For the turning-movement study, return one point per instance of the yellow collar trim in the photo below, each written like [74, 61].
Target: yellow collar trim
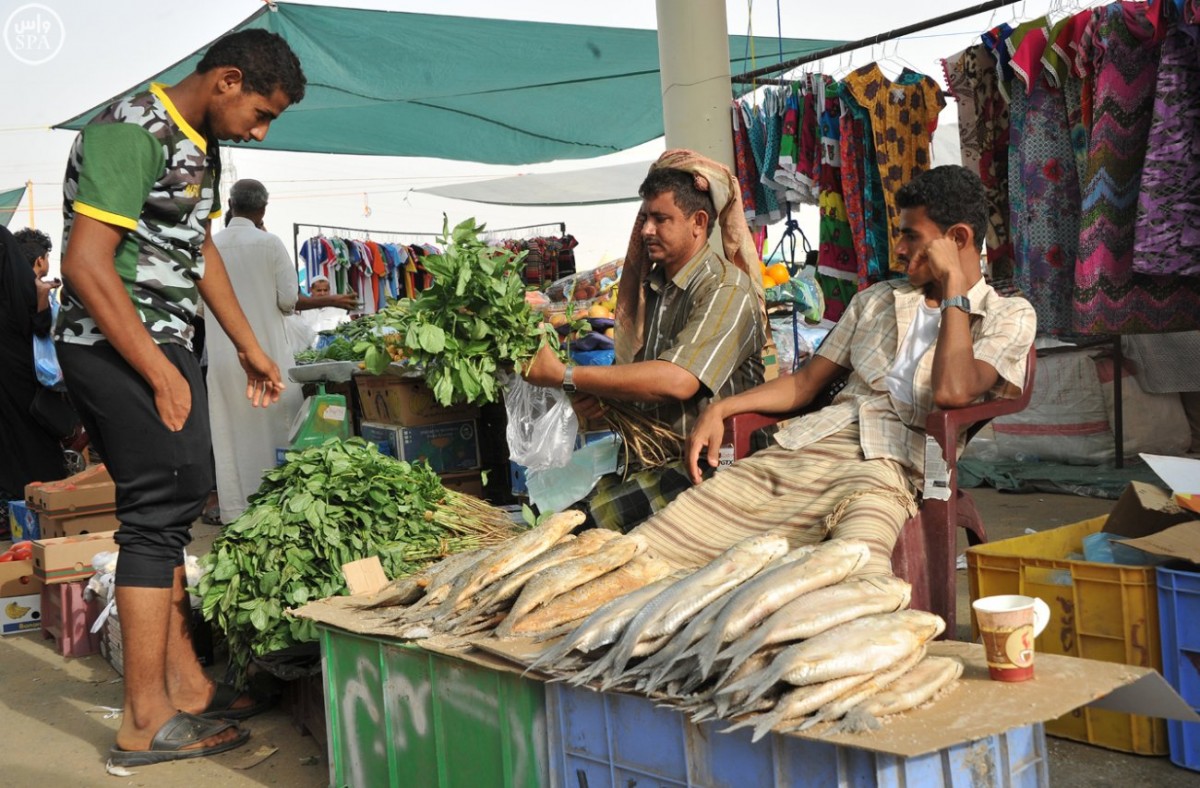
[160, 90]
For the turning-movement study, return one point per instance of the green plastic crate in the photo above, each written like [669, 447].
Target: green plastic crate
[401, 716]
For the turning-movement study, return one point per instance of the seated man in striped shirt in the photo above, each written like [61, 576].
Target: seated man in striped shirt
[690, 325]
[941, 338]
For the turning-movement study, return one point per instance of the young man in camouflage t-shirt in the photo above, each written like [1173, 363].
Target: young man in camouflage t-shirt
[140, 191]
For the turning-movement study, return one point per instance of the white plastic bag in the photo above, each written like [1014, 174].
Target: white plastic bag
[554, 489]
[541, 425]
[300, 335]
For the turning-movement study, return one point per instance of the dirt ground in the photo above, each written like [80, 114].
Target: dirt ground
[56, 710]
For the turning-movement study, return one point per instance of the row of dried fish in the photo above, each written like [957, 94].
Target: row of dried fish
[764, 635]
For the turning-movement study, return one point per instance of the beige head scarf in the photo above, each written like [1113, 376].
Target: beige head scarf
[734, 244]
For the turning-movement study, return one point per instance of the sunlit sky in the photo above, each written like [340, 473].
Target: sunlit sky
[108, 46]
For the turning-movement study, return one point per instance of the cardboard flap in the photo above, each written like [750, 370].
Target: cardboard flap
[1180, 541]
[1149, 695]
[1144, 509]
[364, 576]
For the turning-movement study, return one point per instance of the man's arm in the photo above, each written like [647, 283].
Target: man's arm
[958, 377]
[641, 381]
[263, 382]
[89, 265]
[345, 301]
[785, 394]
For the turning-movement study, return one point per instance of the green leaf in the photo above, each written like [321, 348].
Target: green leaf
[432, 338]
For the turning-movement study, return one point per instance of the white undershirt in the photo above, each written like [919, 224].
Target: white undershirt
[920, 337]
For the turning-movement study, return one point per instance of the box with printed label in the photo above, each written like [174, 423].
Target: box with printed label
[21, 613]
[70, 557]
[389, 399]
[22, 521]
[452, 447]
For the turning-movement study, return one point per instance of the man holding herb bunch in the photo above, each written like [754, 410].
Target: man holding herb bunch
[690, 326]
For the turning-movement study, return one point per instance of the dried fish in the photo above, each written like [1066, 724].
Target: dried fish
[836, 709]
[663, 614]
[817, 611]
[581, 602]
[557, 580]
[865, 645]
[510, 556]
[817, 567]
[796, 704]
[564, 550]
[912, 689]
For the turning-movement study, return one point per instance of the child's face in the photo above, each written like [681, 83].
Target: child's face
[320, 288]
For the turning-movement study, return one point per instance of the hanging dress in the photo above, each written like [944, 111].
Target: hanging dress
[904, 115]
[1043, 187]
[961, 73]
[1122, 56]
[747, 171]
[837, 269]
[1167, 230]
[860, 186]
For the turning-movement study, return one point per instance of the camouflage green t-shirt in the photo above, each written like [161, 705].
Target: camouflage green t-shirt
[139, 166]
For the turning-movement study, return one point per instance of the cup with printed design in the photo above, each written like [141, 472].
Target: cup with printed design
[1008, 625]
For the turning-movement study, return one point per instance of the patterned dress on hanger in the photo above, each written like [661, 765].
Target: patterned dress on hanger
[1043, 189]
[1110, 298]
[993, 153]
[860, 186]
[837, 269]
[961, 73]
[904, 114]
[765, 200]
[1167, 233]
[743, 157]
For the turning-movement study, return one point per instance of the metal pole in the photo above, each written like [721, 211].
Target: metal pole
[750, 76]
[29, 191]
[693, 55]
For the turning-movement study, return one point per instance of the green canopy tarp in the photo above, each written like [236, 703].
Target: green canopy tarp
[486, 90]
[9, 201]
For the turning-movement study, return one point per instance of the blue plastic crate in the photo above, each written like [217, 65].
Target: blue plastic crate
[1179, 626]
[609, 740]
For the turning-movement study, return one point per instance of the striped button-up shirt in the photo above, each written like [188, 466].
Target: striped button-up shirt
[866, 341]
[705, 319]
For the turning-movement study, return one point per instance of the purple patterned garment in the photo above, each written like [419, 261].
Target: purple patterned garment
[1122, 54]
[1167, 235]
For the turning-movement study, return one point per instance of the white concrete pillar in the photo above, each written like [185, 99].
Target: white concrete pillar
[693, 56]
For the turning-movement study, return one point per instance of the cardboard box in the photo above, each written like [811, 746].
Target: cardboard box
[465, 483]
[21, 613]
[56, 526]
[974, 709]
[389, 399]
[69, 558]
[452, 447]
[1145, 509]
[17, 579]
[91, 490]
[23, 521]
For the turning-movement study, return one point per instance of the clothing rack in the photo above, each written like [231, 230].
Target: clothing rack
[321, 228]
[862, 43]
[537, 229]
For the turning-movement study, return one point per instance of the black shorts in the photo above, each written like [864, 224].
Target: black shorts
[162, 477]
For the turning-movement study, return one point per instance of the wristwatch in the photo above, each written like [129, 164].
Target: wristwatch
[568, 384]
[959, 301]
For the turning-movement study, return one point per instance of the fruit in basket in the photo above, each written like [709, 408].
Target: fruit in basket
[768, 282]
[599, 310]
[558, 320]
[610, 333]
[779, 273]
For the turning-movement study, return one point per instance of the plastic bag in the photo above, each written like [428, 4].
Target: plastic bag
[541, 425]
[45, 358]
[554, 489]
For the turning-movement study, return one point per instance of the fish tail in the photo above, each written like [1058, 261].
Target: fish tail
[706, 652]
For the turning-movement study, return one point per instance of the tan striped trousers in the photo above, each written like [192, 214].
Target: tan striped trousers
[824, 490]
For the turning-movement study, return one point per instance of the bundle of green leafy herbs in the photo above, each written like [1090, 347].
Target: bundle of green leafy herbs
[466, 328]
[327, 506]
[346, 343]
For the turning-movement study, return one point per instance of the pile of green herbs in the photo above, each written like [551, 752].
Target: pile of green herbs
[349, 342]
[327, 506]
[472, 323]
